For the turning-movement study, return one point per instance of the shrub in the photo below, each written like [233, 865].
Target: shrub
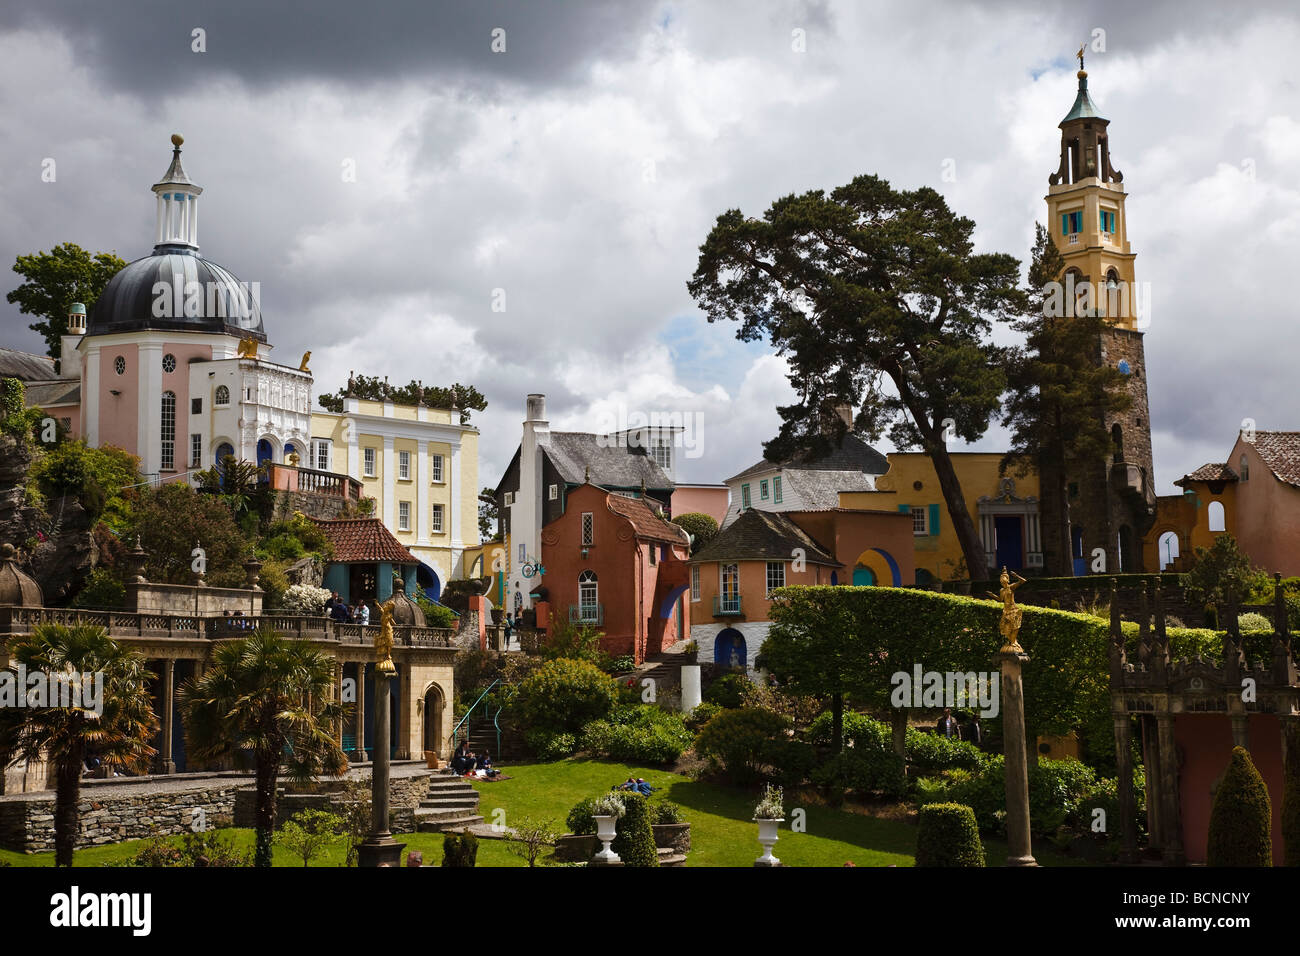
[562, 696]
[641, 734]
[582, 818]
[309, 832]
[947, 836]
[701, 715]
[622, 664]
[635, 843]
[865, 770]
[984, 792]
[1241, 817]
[742, 742]
[1057, 789]
[667, 812]
[459, 849]
[931, 753]
[273, 582]
[701, 527]
[860, 731]
[305, 600]
[548, 745]
[725, 691]
[575, 641]
[1254, 621]
[103, 590]
[528, 836]
[209, 848]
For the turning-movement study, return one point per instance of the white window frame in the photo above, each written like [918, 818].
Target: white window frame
[196, 450]
[435, 469]
[404, 466]
[779, 568]
[403, 516]
[510, 498]
[554, 493]
[695, 583]
[167, 432]
[368, 456]
[920, 520]
[588, 529]
[588, 594]
[216, 396]
[436, 522]
[322, 448]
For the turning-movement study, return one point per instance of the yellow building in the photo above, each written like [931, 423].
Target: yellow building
[1004, 509]
[421, 467]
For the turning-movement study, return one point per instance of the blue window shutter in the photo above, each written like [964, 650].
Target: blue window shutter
[1065, 227]
[906, 509]
[934, 520]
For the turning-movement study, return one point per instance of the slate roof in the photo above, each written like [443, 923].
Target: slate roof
[611, 466]
[758, 535]
[645, 522]
[61, 392]
[1215, 471]
[853, 454]
[1281, 452]
[25, 366]
[364, 541]
[820, 490]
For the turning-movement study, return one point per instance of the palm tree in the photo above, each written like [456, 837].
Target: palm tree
[119, 730]
[272, 699]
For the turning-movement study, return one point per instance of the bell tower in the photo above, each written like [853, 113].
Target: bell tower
[1111, 504]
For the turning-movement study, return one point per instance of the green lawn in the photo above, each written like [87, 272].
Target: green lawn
[722, 831]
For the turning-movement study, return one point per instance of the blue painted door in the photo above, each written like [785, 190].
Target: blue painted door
[1010, 553]
[863, 576]
[1076, 550]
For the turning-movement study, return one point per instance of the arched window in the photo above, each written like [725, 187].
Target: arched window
[1215, 515]
[224, 450]
[1117, 440]
[168, 429]
[1168, 549]
[1113, 305]
[1243, 469]
[222, 396]
[588, 596]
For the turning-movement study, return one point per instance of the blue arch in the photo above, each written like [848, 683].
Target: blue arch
[264, 451]
[728, 640]
[428, 579]
[669, 603]
[894, 573]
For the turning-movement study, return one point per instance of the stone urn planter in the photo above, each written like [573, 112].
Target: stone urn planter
[767, 837]
[606, 831]
[496, 615]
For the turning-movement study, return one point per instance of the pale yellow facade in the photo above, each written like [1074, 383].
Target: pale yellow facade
[418, 464]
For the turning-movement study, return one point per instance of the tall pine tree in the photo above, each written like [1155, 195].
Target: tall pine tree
[1061, 393]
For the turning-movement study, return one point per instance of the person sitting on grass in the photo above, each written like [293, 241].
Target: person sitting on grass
[463, 760]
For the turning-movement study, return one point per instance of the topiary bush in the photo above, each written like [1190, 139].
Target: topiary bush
[701, 527]
[932, 753]
[947, 836]
[726, 690]
[641, 734]
[635, 842]
[1241, 818]
[459, 849]
[582, 818]
[740, 743]
[562, 696]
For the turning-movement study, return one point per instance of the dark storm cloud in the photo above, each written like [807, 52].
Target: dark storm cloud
[144, 46]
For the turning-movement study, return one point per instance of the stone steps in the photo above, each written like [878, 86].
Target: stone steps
[444, 821]
[451, 803]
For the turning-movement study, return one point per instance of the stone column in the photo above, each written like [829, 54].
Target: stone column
[338, 698]
[1151, 761]
[359, 753]
[1017, 767]
[1127, 807]
[690, 687]
[1173, 848]
[1241, 730]
[379, 848]
[164, 761]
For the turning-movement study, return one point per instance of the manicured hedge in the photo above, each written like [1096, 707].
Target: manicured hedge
[641, 734]
[1241, 818]
[635, 843]
[947, 836]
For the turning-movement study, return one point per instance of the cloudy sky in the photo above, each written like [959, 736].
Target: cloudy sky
[383, 172]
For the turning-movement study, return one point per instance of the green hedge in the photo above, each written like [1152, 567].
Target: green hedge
[635, 842]
[947, 836]
[1241, 818]
[562, 696]
[866, 770]
[742, 743]
[459, 849]
[641, 734]
[725, 691]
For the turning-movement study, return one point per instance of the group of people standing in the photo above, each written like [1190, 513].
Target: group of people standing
[949, 727]
[336, 609]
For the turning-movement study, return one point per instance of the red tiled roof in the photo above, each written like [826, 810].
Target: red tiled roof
[1215, 471]
[645, 522]
[363, 540]
[1281, 452]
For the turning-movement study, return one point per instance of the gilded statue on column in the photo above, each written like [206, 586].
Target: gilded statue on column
[384, 642]
[1009, 624]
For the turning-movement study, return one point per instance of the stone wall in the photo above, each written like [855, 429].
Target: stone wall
[754, 632]
[112, 812]
[310, 503]
[186, 599]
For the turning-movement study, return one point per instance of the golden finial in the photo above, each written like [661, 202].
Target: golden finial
[1082, 71]
[177, 140]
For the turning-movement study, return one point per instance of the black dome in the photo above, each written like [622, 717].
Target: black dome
[129, 303]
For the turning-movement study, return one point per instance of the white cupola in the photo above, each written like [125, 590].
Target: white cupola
[178, 204]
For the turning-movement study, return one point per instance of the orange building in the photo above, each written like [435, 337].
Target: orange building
[732, 577]
[615, 563]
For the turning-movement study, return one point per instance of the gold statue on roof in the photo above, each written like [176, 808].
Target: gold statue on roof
[248, 347]
[1009, 624]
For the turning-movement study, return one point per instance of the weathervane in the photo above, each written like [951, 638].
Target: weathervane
[1080, 54]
